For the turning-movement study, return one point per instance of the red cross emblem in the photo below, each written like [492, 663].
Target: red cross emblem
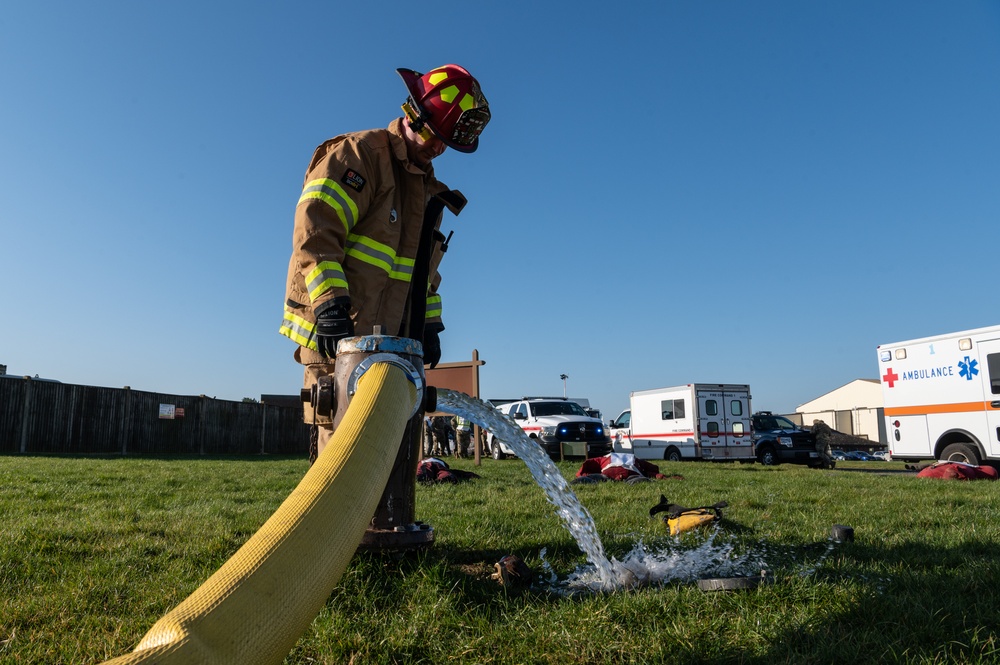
[890, 377]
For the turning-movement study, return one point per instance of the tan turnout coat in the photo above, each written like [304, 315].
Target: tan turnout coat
[357, 228]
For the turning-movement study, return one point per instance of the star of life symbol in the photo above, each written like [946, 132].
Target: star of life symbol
[968, 368]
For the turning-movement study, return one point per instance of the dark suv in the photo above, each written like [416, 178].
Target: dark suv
[777, 439]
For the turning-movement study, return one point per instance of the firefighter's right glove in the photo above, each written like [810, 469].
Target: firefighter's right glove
[333, 323]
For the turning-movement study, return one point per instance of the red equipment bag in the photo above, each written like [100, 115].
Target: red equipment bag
[958, 471]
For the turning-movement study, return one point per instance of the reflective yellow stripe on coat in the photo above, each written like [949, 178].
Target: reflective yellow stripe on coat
[299, 330]
[324, 277]
[433, 306]
[381, 256]
[332, 194]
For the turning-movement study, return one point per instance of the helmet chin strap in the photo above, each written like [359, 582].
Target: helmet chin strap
[418, 123]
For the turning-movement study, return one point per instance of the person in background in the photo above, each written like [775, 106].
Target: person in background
[441, 434]
[428, 437]
[463, 436]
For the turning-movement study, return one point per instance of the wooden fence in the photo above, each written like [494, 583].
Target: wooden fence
[38, 416]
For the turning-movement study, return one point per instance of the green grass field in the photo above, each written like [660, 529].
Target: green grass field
[93, 551]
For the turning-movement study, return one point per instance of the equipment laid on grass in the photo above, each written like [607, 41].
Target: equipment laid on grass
[735, 583]
[513, 572]
[957, 471]
[680, 519]
[619, 466]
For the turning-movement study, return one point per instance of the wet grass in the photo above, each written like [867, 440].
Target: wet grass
[93, 551]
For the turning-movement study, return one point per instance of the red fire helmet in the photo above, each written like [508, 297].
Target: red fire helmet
[449, 101]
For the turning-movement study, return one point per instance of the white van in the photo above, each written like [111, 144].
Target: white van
[709, 421]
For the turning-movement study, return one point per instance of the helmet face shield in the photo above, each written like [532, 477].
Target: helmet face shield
[471, 123]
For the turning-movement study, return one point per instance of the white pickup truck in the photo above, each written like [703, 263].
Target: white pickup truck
[561, 426]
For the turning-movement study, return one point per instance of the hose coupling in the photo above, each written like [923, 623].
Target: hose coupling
[412, 373]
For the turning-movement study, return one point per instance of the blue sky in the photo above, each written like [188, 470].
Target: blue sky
[669, 192]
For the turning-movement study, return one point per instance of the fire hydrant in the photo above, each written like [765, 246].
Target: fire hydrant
[393, 527]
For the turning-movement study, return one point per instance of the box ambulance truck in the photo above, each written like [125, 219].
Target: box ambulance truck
[942, 396]
[706, 421]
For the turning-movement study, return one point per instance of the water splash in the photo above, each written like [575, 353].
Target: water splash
[642, 566]
[693, 557]
[676, 562]
[575, 517]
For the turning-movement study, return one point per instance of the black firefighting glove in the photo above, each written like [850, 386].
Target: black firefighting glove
[333, 323]
[432, 344]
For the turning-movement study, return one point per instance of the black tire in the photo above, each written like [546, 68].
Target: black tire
[495, 451]
[767, 456]
[961, 452]
[672, 455]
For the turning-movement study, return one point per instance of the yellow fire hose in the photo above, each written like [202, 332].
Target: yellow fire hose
[257, 605]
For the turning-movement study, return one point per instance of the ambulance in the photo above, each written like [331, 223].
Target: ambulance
[697, 421]
[942, 396]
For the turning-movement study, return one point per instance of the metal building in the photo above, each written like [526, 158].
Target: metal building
[854, 408]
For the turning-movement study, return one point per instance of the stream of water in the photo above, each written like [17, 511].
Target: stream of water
[575, 517]
[712, 557]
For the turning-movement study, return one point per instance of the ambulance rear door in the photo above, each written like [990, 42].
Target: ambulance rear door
[724, 427]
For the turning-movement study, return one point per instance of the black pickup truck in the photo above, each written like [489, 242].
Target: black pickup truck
[778, 440]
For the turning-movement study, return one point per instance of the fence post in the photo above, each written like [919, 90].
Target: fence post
[24, 414]
[201, 424]
[263, 428]
[126, 419]
[71, 418]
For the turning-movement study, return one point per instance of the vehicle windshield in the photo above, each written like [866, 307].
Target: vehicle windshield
[775, 422]
[557, 409]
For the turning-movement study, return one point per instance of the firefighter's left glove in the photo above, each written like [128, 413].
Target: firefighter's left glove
[432, 344]
[333, 323]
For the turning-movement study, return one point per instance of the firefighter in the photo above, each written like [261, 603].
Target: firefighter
[428, 437]
[441, 434]
[825, 455]
[367, 241]
[463, 436]
[821, 431]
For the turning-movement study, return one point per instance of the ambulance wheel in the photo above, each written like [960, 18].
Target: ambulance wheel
[672, 455]
[961, 452]
[495, 451]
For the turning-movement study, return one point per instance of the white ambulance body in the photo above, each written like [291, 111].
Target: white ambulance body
[707, 421]
[942, 396]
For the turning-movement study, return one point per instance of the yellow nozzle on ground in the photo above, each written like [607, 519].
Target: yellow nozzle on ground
[688, 521]
[257, 605]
